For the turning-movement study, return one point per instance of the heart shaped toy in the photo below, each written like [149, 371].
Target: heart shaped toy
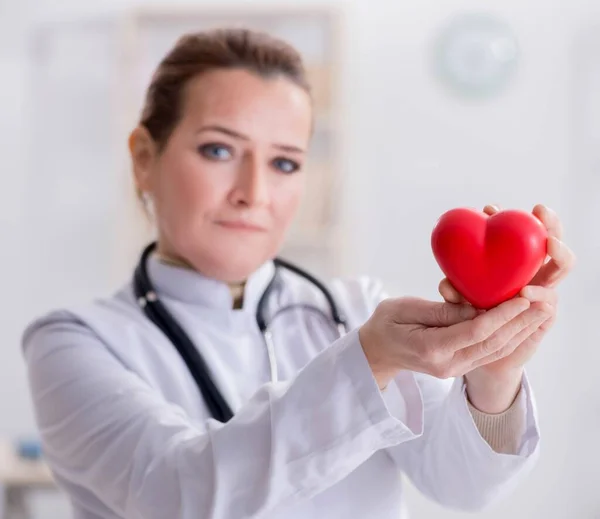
[489, 259]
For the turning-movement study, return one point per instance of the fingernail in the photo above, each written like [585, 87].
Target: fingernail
[528, 292]
[556, 243]
[467, 312]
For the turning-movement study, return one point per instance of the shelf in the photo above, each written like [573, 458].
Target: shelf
[15, 471]
[161, 13]
[319, 77]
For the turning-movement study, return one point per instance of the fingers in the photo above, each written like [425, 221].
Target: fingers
[540, 316]
[540, 294]
[550, 220]
[520, 339]
[547, 308]
[482, 327]
[491, 209]
[449, 293]
[428, 313]
[502, 337]
[562, 260]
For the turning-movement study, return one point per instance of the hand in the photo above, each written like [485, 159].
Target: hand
[440, 339]
[505, 366]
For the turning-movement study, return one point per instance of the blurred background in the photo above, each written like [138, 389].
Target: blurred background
[423, 105]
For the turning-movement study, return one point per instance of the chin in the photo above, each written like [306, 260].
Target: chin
[227, 257]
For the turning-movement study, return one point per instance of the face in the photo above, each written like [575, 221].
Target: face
[228, 182]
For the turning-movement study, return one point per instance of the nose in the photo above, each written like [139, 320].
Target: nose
[251, 186]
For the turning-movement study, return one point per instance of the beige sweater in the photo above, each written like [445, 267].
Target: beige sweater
[502, 431]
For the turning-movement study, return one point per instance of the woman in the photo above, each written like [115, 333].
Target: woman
[436, 391]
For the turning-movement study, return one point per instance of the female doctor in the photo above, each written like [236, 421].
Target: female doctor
[305, 423]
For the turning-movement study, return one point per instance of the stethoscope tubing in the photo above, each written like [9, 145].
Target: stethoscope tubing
[150, 304]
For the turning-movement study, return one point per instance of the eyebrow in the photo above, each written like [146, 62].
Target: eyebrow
[241, 136]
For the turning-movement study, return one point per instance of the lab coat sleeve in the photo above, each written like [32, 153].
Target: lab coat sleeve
[451, 463]
[107, 431]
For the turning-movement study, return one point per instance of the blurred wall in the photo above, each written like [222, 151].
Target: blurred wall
[413, 151]
[418, 152]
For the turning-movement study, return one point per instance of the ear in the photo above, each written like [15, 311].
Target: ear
[143, 152]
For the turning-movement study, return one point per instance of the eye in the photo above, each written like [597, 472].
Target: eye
[285, 165]
[215, 151]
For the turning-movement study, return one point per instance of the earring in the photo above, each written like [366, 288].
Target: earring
[148, 204]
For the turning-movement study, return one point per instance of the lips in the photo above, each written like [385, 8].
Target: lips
[241, 226]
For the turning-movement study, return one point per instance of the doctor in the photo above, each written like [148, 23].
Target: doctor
[319, 425]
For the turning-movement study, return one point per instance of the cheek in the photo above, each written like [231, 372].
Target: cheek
[188, 189]
[287, 199]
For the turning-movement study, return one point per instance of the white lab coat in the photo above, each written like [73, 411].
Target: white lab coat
[127, 434]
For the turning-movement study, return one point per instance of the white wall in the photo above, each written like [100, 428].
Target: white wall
[413, 152]
[436, 153]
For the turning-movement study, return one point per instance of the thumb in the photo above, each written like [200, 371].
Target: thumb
[432, 313]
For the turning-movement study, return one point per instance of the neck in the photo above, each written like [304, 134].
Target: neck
[171, 260]
[236, 289]
[237, 294]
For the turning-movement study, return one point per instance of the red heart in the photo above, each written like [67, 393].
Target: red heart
[489, 259]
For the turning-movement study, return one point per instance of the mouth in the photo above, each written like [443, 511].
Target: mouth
[237, 225]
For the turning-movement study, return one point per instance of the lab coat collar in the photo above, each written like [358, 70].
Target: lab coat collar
[192, 287]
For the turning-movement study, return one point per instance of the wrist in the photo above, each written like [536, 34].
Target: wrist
[493, 393]
[380, 367]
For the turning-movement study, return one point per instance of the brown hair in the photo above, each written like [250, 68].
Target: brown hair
[197, 53]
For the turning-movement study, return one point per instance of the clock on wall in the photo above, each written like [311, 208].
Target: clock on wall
[475, 55]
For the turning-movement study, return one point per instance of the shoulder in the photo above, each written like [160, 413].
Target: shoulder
[64, 326]
[55, 324]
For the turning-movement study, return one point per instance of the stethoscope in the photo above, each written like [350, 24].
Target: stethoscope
[151, 305]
